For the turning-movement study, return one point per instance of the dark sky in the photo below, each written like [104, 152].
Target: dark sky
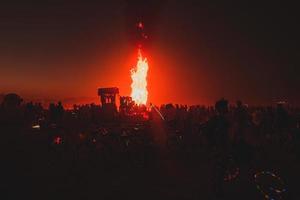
[197, 51]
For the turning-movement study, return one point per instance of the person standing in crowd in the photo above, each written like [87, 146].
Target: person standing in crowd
[218, 137]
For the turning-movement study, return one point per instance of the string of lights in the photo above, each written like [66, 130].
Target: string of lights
[272, 189]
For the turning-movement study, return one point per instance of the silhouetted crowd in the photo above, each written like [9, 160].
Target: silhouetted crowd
[86, 133]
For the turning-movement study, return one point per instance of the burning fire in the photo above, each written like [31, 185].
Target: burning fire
[139, 92]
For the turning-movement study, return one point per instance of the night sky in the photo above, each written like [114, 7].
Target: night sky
[198, 52]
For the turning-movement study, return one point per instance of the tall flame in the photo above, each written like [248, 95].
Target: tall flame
[139, 92]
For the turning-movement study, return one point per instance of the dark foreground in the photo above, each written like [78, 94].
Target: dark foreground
[34, 172]
[144, 160]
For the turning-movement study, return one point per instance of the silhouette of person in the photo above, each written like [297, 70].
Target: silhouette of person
[218, 137]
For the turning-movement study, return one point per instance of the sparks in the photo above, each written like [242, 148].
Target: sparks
[139, 92]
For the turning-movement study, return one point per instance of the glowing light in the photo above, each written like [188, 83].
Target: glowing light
[162, 117]
[36, 126]
[139, 92]
[140, 25]
[268, 188]
[57, 140]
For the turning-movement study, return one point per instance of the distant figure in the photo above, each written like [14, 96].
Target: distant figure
[56, 112]
[11, 113]
[218, 137]
[296, 139]
[242, 127]
[218, 126]
[281, 122]
[12, 101]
